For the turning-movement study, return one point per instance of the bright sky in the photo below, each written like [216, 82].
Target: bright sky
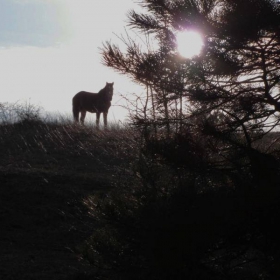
[49, 50]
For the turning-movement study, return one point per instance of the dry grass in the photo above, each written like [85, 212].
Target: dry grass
[71, 194]
[47, 170]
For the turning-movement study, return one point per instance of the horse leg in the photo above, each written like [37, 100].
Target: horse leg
[105, 118]
[76, 115]
[83, 115]
[97, 119]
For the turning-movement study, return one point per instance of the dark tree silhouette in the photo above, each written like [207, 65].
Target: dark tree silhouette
[235, 79]
[209, 198]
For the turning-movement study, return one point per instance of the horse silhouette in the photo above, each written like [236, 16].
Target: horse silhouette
[98, 103]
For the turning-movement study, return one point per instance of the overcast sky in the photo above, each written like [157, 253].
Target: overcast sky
[49, 50]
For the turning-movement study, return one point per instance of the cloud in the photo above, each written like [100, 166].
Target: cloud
[46, 23]
[32, 23]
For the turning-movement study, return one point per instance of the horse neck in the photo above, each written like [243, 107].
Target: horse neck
[103, 94]
[101, 91]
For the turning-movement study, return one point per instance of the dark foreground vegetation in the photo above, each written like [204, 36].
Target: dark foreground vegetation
[47, 173]
[208, 203]
[81, 203]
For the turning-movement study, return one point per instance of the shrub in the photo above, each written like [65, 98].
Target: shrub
[181, 215]
[19, 113]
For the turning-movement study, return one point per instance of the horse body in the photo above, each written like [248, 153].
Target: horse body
[97, 103]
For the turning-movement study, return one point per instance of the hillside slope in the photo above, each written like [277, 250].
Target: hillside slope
[46, 173]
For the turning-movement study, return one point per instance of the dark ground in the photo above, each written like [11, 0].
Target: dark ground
[46, 172]
[48, 175]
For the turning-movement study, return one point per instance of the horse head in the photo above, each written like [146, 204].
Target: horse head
[109, 90]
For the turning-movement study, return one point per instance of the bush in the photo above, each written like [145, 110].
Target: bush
[19, 113]
[185, 218]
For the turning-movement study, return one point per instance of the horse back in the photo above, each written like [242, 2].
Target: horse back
[91, 102]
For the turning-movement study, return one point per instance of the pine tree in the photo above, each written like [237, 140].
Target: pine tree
[234, 83]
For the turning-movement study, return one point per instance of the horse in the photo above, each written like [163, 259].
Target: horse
[97, 103]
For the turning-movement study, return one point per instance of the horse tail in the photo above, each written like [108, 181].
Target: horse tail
[75, 108]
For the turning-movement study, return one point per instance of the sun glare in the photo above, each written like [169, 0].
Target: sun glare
[189, 43]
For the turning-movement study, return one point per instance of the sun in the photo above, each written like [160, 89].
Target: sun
[189, 43]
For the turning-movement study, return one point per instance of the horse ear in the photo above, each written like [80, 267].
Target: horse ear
[112, 83]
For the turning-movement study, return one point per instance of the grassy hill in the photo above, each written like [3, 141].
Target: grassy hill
[81, 203]
[47, 171]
